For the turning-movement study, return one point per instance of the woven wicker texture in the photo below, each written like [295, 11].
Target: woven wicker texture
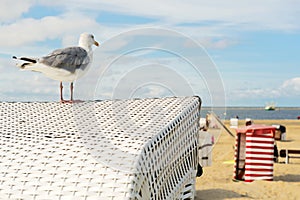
[123, 149]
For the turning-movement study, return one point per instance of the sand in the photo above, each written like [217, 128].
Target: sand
[216, 181]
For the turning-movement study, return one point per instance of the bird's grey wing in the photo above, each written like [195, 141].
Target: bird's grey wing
[69, 59]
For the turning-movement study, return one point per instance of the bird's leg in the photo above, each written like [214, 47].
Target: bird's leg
[71, 94]
[61, 92]
[71, 89]
[72, 99]
[61, 95]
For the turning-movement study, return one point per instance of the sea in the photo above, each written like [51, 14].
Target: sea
[253, 112]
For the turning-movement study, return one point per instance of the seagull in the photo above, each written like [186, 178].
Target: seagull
[64, 65]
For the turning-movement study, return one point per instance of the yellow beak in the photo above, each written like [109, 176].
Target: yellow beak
[96, 43]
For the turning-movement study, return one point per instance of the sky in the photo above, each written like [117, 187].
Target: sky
[232, 53]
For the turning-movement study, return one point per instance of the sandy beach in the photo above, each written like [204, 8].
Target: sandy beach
[216, 181]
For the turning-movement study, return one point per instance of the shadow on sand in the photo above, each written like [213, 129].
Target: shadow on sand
[218, 194]
[283, 141]
[288, 178]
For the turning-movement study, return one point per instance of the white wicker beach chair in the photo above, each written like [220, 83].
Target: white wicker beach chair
[122, 149]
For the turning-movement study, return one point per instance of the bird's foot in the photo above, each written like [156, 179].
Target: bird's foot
[66, 101]
[70, 101]
[77, 101]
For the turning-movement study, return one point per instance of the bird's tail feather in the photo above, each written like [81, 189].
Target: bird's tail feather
[29, 61]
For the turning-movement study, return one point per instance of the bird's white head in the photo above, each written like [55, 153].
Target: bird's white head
[87, 40]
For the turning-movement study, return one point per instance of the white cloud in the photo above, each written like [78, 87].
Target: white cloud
[268, 14]
[291, 87]
[255, 93]
[30, 30]
[288, 90]
[11, 10]
[219, 43]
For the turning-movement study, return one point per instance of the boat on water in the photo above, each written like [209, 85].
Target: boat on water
[270, 106]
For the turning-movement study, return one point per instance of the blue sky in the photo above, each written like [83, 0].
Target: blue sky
[253, 46]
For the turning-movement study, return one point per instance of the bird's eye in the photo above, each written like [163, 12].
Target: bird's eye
[92, 36]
